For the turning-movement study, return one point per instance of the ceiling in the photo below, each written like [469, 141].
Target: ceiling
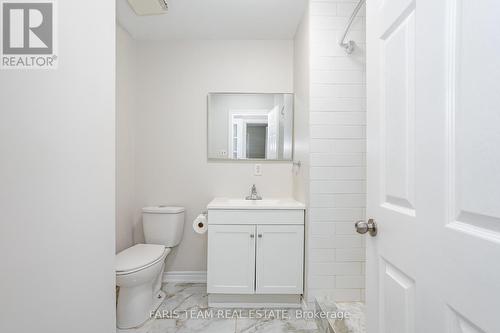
[215, 19]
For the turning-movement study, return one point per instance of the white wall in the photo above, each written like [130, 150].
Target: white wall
[337, 154]
[301, 123]
[330, 142]
[174, 79]
[57, 177]
[301, 116]
[126, 90]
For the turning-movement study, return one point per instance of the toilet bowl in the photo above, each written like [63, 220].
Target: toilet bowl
[139, 269]
[138, 274]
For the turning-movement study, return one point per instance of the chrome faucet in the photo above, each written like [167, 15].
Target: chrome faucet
[253, 195]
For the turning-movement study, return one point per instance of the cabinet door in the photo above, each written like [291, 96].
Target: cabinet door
[231, 259]
[280, 259]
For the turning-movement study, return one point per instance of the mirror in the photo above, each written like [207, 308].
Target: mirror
[250, 126]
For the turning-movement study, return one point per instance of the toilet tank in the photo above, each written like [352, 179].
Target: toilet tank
[163, 225]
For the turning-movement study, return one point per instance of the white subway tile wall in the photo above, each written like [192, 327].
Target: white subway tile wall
[337, 153]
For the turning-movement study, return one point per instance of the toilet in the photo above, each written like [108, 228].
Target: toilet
[139, 269]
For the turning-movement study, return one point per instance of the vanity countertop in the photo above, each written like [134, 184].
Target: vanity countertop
[273, 203]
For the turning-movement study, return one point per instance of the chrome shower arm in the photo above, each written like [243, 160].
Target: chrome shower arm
[349, 46]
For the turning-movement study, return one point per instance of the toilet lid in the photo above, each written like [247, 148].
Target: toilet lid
[138, 256]
[163, 209]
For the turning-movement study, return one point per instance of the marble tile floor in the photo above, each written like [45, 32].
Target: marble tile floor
[188, 302]
[355, 323]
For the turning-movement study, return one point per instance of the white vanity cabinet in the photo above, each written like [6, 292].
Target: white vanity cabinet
[279, 259]
[231, 259]
[255, 254]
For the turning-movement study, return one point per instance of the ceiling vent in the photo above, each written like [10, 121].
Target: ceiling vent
[148, 7]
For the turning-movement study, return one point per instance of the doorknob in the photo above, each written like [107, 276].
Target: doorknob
[363, 227]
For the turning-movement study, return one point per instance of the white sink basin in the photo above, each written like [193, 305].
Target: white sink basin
[230, 203]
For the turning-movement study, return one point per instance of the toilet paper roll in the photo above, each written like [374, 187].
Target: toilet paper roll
[200, 224]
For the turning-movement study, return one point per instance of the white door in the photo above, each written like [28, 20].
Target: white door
[231, 259]
[280, 257]
[391, 254]
[433, 166]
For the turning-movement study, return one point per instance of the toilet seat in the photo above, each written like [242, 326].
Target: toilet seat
[139, 257]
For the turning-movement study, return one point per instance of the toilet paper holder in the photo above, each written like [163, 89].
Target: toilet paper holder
[200, 223]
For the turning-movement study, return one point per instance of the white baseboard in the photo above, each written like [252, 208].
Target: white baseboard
[185, 276]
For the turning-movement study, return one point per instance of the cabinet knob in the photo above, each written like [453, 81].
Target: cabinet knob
[260, 236]
[252, 235]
